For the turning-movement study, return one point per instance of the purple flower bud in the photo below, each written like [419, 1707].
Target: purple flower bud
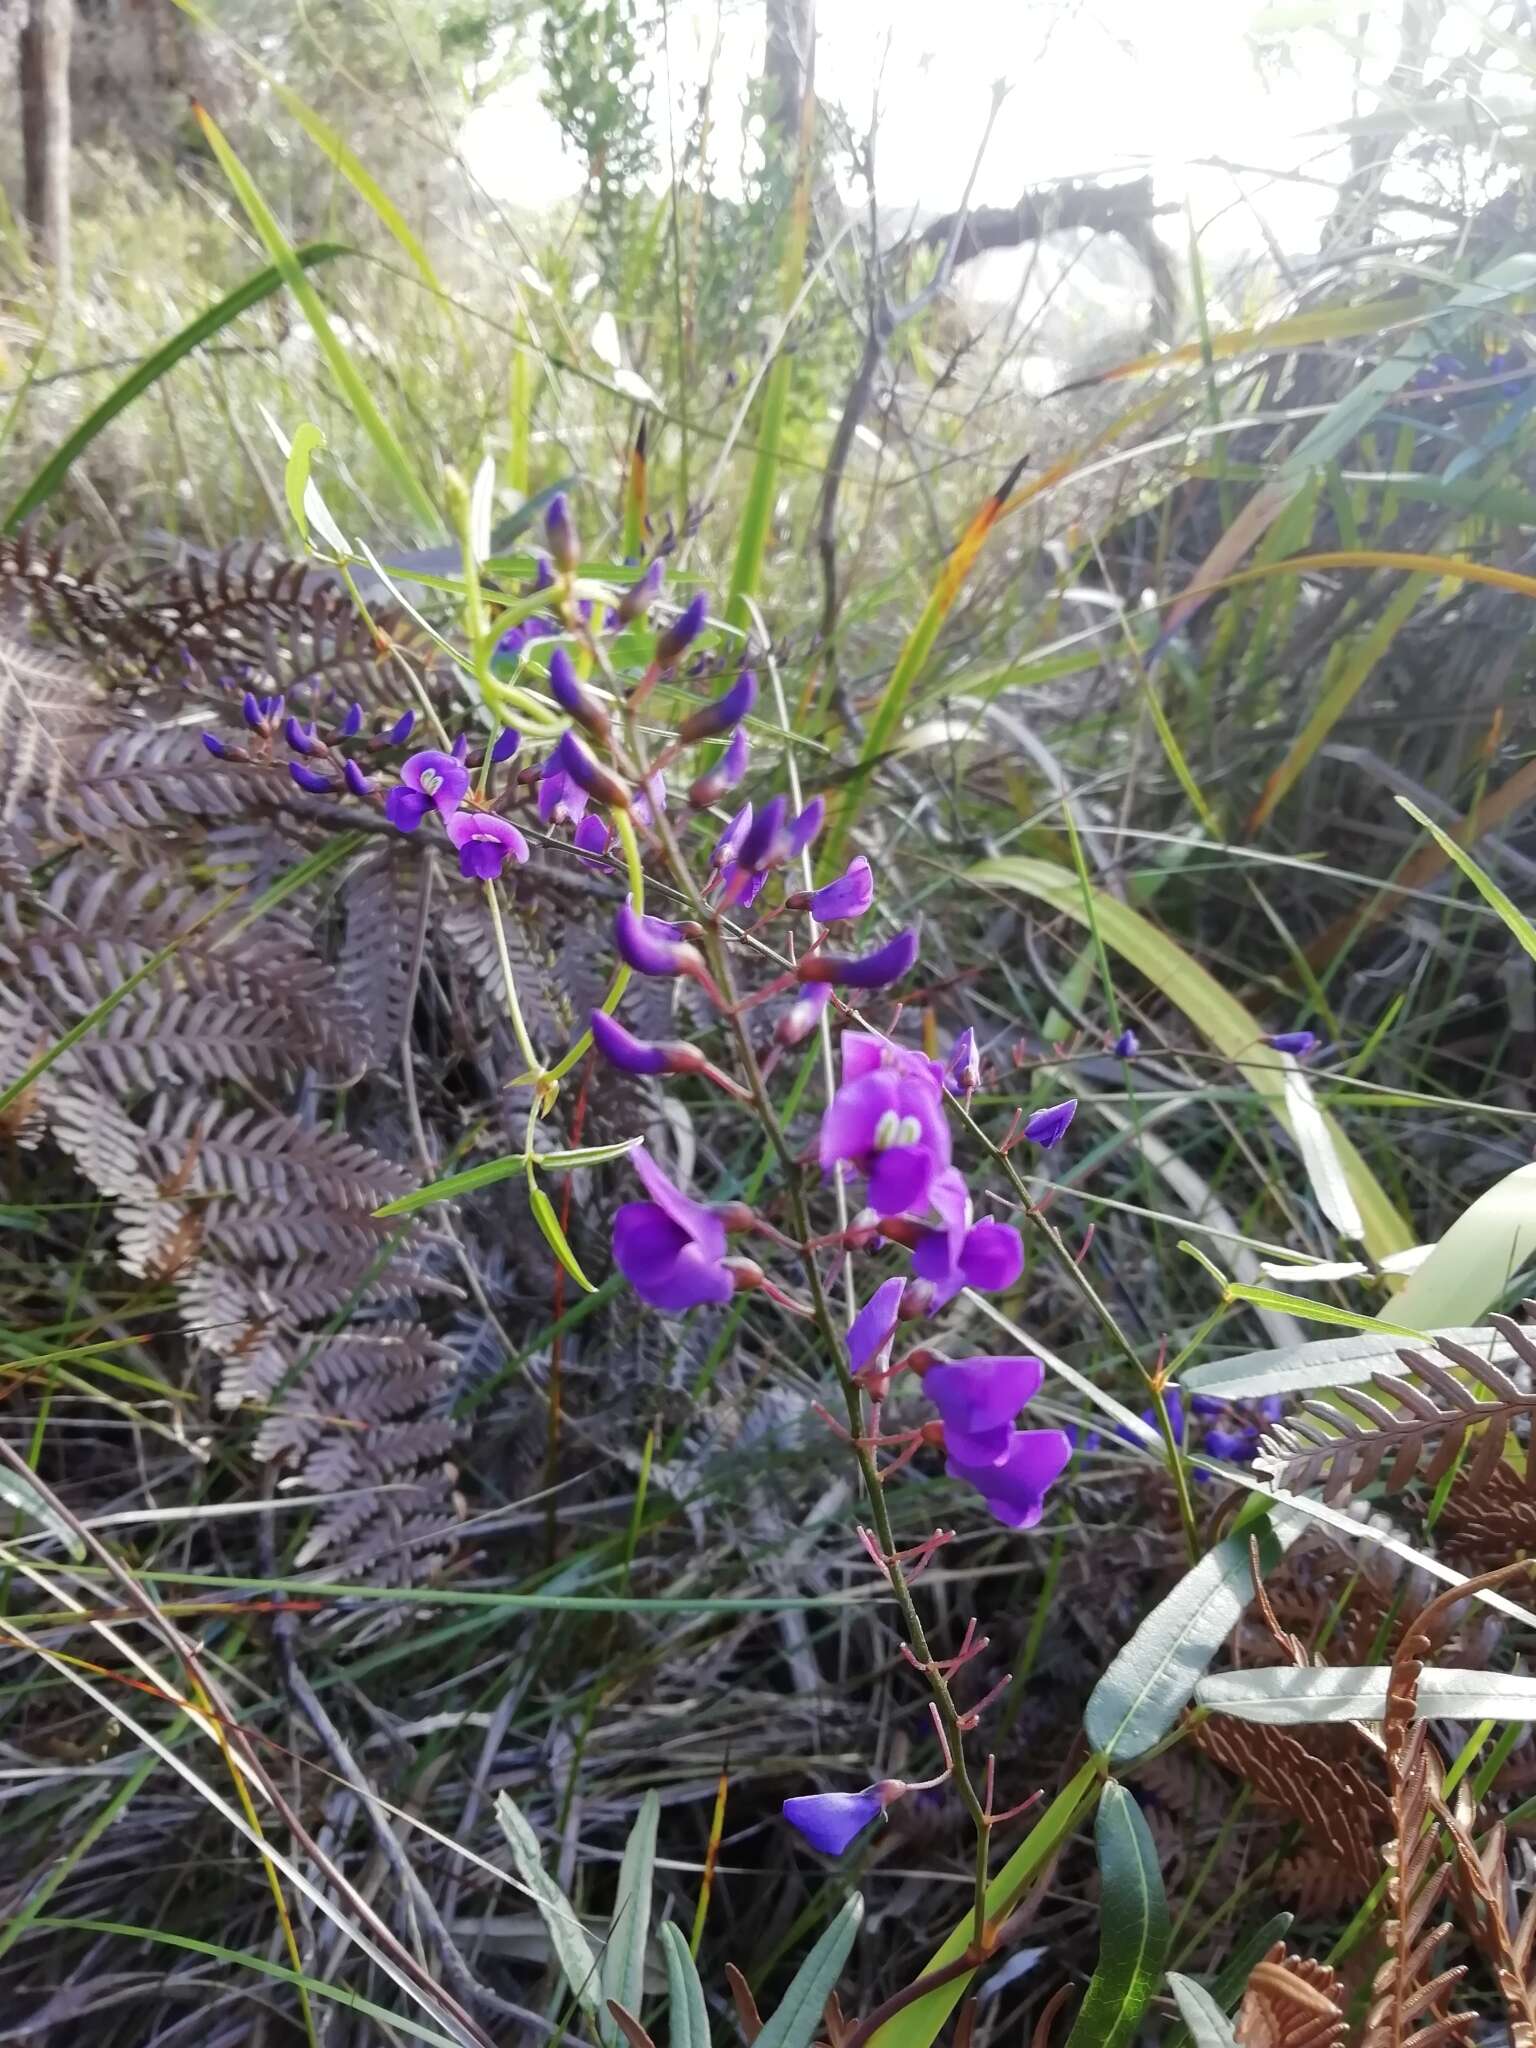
[574, 698]
[590, 775]
[359, 783]
[271, 710]
[848, 897]
[1048, 1127]
[964, 1070]
[300, 738]
[803, 1015]
[640, 596]
[543, 576]
[591, 838]
[485, 844]
[250, 711]
[830, 1820]
[1298, 1042]
[652, 946]
[506, 744]
[310, 779]
[765, 841]
[510, 644]
[810, 821]
[561, 534]
[871, 970]
[710, 720]
[678, 637]
[728, 845]
[400, 731]
[215, 746]
[460, 747]
[352, 724]
[1127, 1045]
[623, 1050]
[874, 1327]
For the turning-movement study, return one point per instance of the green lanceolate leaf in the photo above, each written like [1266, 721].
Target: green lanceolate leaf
[1332, 1362]
[573, 1951]
[797, 2019]
[1154, 1677]
[502, 1169]
[1284, 1697]
[1133, 1925]
[1208, 2025]
[687, 2013]
[630, 1927]
[544, 1215]
[192, 336]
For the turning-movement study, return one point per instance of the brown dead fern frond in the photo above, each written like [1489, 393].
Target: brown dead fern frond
[1334, 1799]
[1291, 2002]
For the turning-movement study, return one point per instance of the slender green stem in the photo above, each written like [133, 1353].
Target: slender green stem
[514, 1007]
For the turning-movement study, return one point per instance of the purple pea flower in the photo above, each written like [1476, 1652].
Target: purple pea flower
[725, 774]
[1014, 1486]
[886, 964]
[978, 1400]
[561, 534]
[890, 1127]
[1298, 1042]
[711, 720]
[402, 729]
[506, 743]
[562, 800]
[805, 828]
[573, 697]
[873, 1328]
[215, 746]
[650, 945]
[640, 595]
[728, 844]
[1127, 1045]
[428, 780]
[679, 636]
[803, 1015]
[1047, 1127]
[359, 783]
[485, 844]
[964, 1070]
[830, 1820]
[765, 842]
[591, 838]
[310, 779]
[670, 1249]
[352, 724]
[988, 1256]
[300, 737]
[864, 1053]
[847, 898]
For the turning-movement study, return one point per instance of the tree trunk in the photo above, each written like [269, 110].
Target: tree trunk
[45, 132]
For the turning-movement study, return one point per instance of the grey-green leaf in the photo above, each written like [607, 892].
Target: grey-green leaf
[1148, 1685]
[1285, 1697]
[798, 2018]
[1208, 2025]
[1133, 1925]
[687, 2014]
[567, 1937]
[630, 1928]
[1333, 1362]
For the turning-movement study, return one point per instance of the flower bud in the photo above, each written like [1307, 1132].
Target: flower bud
[401, 730]
[711, 720]
[250, 711]
[300, 738]
[1126, 1046]
[634, 1055]
[311, 779]
[639, 597]
[561, 535]
[765, 841]
[506, 744]
[728, 844]
[650, 945]
[352, 724]
[1300, 1043]
[842, 901]
[869, 970]
[357, 781]
[807, 825]
[1048, 1127]
[574, 698]
[725, 774]
[803, 1015]
[964, 1070]
[680, 635]
[590, 774]
[217, 747]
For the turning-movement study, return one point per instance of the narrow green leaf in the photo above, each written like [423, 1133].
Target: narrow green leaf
[26, 1500]
[139, 380]
[1133, 1926]
[573, 1951]
[630, 1928]
[296, 485]
[584, 1155]
[797, 2019]
[1470, 1269]
[1208, 2025]
[349, 382]
[544, 1215]
[493, 1170]
[1311, 1311]
[1282, 1696]
[1232, 1978]
[687, 2013]
[1153, 1678]
[1518, 923]
[1330, 1362]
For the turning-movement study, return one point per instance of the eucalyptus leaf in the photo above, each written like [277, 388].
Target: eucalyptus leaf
[567, 1937]
[1208, 2025]
[1284, 1697]
[687, 2013]
[797, 2019]
[630, 1927]
[1154, 1677]
[1329, 1362]
[1133, 1925]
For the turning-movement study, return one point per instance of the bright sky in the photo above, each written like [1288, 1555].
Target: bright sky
[1098, 86]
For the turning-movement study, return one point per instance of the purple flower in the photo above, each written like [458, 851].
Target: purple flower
[765, 842]
[670, 1249]
[679, 636]
[650, 800]
[573, 697]
[310, 779]
[711, 720]
[485, 844]
[251, 712]
[215, 746]
[650, 945]
[870, 1333]
[591, 837]
[623, 1050]
[562, 800]
[1126, 1046]
[868, 970]
[805, 828]
[864, 1053]
[803, 1014]
[890, 1126]
[561, 534]
[978, 1400]
[401, 730]
[352, 724]
[830, 1820]
[510, 644]
[964, 1070]
[427, 780]
[300, 737]
[1014, 1486]
[359, 783]
[640, 595]
[961, 1252]
[506, 743]
[1298, 1042]
[729, 842]
[1047, 1127]
[588, 773]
